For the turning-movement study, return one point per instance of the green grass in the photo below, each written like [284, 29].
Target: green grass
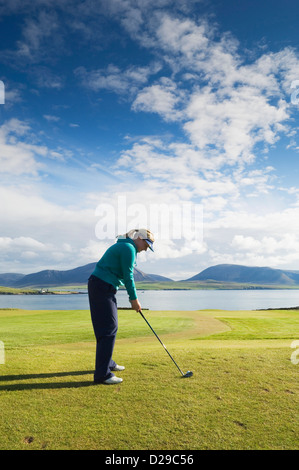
[243, 395]
[246, 325]
[13, 290]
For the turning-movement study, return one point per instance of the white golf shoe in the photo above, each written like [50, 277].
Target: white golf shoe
[113, 380]
[118, 368]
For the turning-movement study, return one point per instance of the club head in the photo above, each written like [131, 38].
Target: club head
[188, 374]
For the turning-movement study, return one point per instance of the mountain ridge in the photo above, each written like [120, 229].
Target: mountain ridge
[247, 274]
[53, 277]
[225, 273]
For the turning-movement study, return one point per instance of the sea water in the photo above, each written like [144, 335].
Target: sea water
[165, 300]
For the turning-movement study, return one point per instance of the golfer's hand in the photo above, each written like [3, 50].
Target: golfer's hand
[135, 305]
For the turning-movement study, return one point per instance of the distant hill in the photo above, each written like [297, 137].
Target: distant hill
[8, 279]
[228, 274]
[247, 274]
[141, 276]
[51, 277]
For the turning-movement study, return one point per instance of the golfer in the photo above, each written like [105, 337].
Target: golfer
[115, 268]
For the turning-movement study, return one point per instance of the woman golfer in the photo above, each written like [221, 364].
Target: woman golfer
[115, 268]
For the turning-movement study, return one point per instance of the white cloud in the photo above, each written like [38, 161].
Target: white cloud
[19, 152]
[260, 238]
[162, 98]
[171, 249]
[44, 77]
[246, 243]
[51, 118]
[116, 80]
[10, 244]
[12, 96]
[233, 111]
[92, 251]
[15, 251]
[36, 33]
[267, 245]
[177, 168]
[18, 157]
[183, 36]
[59, 232]
[262, 221]
[233, 125]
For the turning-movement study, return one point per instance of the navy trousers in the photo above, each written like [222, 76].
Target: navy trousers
[103, 309]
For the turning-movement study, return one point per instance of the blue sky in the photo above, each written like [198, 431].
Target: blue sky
[163, 105]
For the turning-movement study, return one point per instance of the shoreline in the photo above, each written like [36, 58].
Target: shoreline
[43, 293]
[29, 291]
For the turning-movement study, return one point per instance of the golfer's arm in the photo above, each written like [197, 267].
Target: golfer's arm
[127, 264]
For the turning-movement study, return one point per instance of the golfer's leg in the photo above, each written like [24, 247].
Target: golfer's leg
[105, 346]
[104, 319]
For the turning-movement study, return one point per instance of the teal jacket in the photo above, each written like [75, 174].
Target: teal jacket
[117, 266]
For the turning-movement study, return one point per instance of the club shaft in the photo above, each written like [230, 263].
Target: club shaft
[161, 342]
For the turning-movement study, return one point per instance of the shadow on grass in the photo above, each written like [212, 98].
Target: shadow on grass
[43, 385]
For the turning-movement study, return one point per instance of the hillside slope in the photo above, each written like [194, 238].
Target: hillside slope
[251, 274]
[80, 275]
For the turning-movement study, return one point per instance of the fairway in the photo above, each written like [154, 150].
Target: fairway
[244, 393]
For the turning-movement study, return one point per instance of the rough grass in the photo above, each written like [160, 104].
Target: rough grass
[243, 395]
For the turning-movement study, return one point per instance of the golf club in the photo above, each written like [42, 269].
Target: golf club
[188, 373]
